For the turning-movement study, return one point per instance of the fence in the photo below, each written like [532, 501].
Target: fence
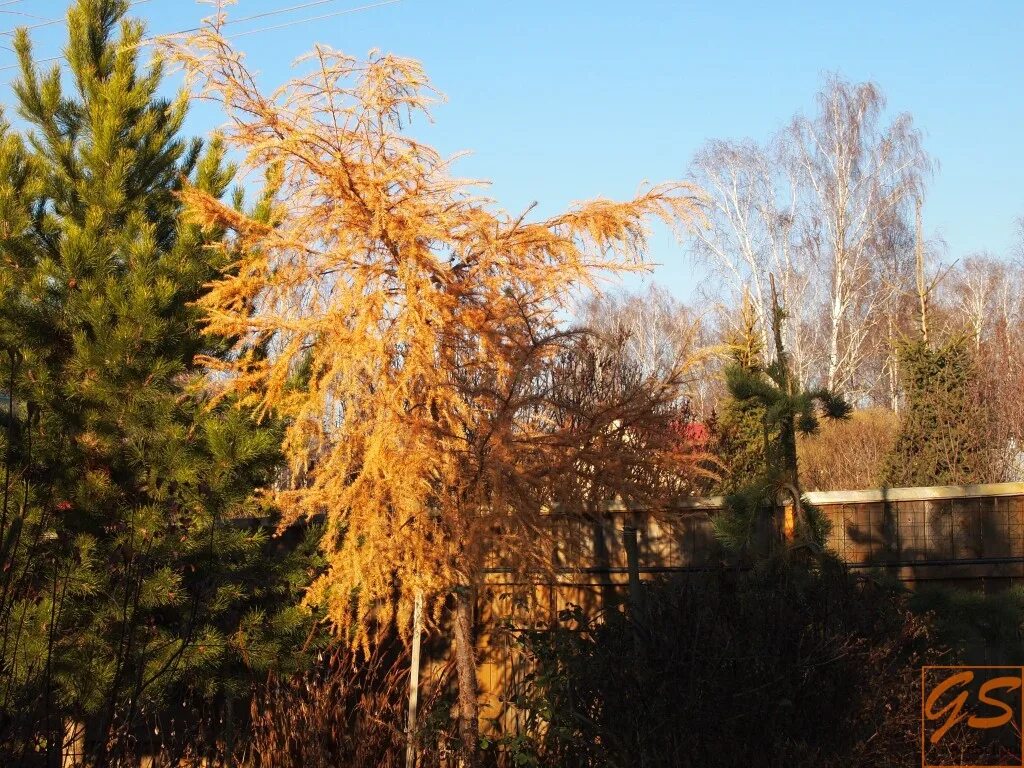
[966, 535]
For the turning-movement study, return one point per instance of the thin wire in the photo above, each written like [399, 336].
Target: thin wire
[9, 2]
[314, 18]
[29, 15]
[247, 18]
[34, 61]
[48, 22]
[264, 14]
[275, 12]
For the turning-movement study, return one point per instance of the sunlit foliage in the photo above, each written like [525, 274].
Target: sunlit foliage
[406, 329]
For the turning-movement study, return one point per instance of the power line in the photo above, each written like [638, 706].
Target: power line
[34, 61]
[262, 15]
[239, 21]
[45, 23]
[314, 18]
[49, 22]
[275, 12]
[28, 15]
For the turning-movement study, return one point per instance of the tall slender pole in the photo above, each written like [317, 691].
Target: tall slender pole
[414, 680]
[922, 288]
[787, 427]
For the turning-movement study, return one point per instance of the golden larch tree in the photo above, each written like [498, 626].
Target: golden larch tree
[410, 334]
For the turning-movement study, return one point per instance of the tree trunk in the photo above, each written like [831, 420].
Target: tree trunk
[414, 680]
[73, 748]
[465, 666]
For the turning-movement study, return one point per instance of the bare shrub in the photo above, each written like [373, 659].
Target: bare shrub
[847, 455]
[348, 712]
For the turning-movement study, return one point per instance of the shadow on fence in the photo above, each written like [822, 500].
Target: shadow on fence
[970, 536]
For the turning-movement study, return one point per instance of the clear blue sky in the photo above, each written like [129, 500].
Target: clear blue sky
[564, 100]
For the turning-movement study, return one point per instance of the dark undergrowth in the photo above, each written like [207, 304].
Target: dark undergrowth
[790, 665]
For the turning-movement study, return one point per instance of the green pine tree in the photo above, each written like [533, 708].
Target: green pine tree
[767, 407]
[25, 534]
[741, 443]
[940, 440]
[132, 581]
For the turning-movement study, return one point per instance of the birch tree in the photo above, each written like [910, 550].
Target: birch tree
[979, 299]
[856, 175]
[658, 334]
[823, 206]
[978, 292]
[752, 214]
[878, 375]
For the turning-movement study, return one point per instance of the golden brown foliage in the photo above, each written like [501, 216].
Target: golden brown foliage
[408, 332]
[848, 455]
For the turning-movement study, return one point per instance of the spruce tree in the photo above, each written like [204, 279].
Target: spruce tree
[941, 440]
[138, 582]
